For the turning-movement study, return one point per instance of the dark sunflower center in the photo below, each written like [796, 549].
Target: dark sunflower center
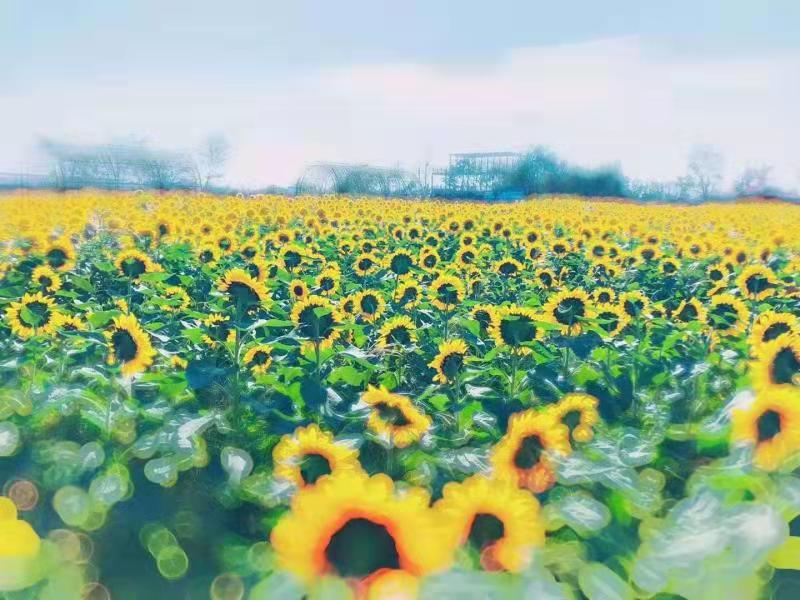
[648, 253]
[572, 419]
[633, 307]
[133, 267]
[316, 322]
[768, 425]
[206, 256]
[392, 415]
[688, 313]
[298, 290]
[451, 365]
[260, 358]
[467, 257]
[603, 297]
[483, 318]
[291, 259]
[243, 294]
[361, 547]
[609, 320]
[35, 314]
[125, 347]
[447, 294]
[559, 249]
[163, 229]
[364, 264]
[774, 331]
[326, 283]
[598, 251]
[669, 267]
[546, 279]
[485, 530]
[313, 466]
[249, 252]
[409, 295]
[756, 284]
[725, 316]
[401, 264]
[517, 329]
[399, 335]
[785, 366]
[56, 257]
[224, 243]
[570, 310]
[508, 268]
[715, 275]
[529, 452]
[369, 304]
[252, 269]
[45, 281]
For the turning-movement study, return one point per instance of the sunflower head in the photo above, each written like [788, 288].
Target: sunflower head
[258, 358]
[35, 314]
[757, 282]
[46, 279]
[515, 327]
[568, 309]
[770, 325]
[366, 263]
[369, 305]
[727, 315]
[309, 454]
[317, 319]
[604, 295]
[244, 291]
[449, 361]
[772, 425]
[298, 289]
[133, 263]
[129, 345]
[398, 331]
[394, 418]
[611, 318]
[446, 292]
[578, 412]
[777, 363]
[399, 262]
[408, 294]
[634, 303]
[689, 311]
[508, 267]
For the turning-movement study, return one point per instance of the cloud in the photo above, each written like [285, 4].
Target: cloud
[631, 99]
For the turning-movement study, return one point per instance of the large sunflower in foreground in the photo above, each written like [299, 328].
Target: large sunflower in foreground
[244, 290]
[358, 528]
[446, 292]
[516, 328]
[449, 361]
[394, 418]
[34, 314]
[317, 319]
[568, 309]
[521, 455]
[310, 453]
[772, 425]
[18, 540]
[777, 363]
[495, 518]
[129, 345]
[770, 325]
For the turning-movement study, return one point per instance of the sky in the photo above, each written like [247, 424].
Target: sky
[628, 82]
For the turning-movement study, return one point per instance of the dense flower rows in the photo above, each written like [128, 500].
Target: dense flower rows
[374, 398]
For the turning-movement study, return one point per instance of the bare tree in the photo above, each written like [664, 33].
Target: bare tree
[754, 181]
[705, 171]
[209, 161]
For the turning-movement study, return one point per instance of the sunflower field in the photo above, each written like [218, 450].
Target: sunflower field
[324, 397]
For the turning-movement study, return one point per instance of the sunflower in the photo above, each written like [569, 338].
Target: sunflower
[408, 294]
[466, 256]
[727, 315]
[568, 309]
[757, 282]
[648, 252]
[219, 330]
[534, 252]
[291, 256]
[310, 453]
[397, 331]
[60, 255]
[369, 305]
[366, 263]
[446, 292]
[508, 267]
[770, 325]
[133, 263]
[515, 327]
[521, 455]
[46, 278]
[612, 318]
[394, 418]
[35, 314]
[669, 267]
[561, 248]
[496, 518]
[71, 323]
[603, 268]
[449, 361]
[129, 345]
[483, 314]
[259, 358]
[178, 299]
[208, 254]
[777, 363]
[244, 290]
[328, 281]
[545, 278]
[316, 319]
[578, 412]
[18, 540]
[689, 311]
[772, 425]
[634, 303]
[359, 528]
[604, 295]
[399, 262]
[718, 276]
[298, 289]
[429, 259]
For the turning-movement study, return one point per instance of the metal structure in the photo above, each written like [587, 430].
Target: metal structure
[340, 178]
[474, 174]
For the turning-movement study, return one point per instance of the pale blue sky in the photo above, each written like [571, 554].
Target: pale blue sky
[635, 81]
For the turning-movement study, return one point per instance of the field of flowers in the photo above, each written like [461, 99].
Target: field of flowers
[362, 398]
